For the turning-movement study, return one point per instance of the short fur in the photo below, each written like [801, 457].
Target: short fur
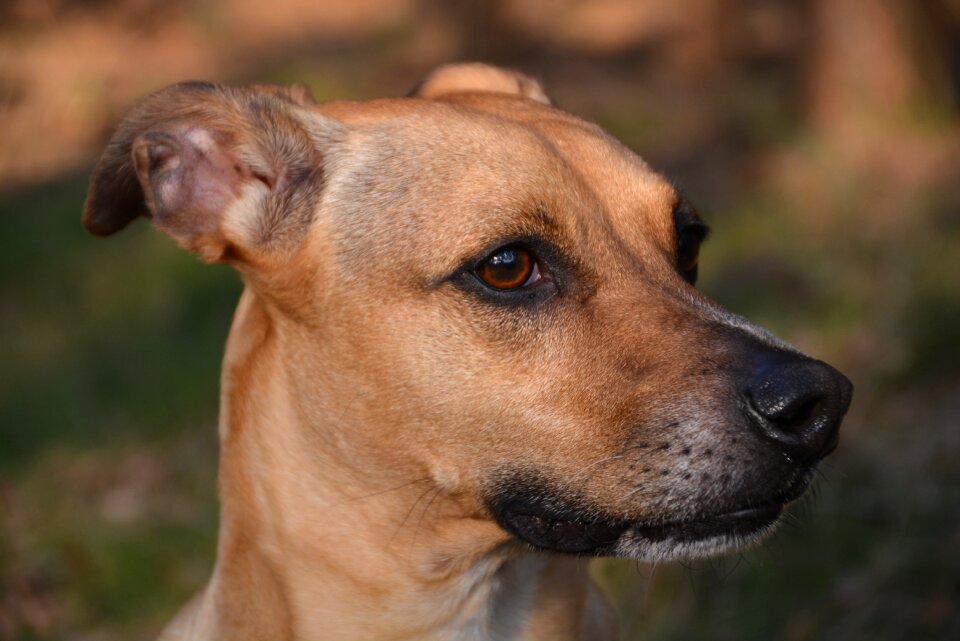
[374, 402]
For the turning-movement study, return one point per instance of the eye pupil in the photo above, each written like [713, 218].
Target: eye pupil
[508, 268]
[691, 232]
[687, 253]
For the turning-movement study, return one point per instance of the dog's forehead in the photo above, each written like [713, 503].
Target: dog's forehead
[484, 167]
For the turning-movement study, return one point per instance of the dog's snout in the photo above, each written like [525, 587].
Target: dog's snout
[797, 403]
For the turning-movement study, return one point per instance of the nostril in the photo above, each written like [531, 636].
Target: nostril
[803, 413]
[796, 414]
[796, 403]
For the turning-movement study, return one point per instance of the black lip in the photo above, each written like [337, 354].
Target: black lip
[737, 523]
[559, 531]
[546, 525]
[597, 537]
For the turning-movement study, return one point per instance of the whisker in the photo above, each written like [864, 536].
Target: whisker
[691, 580]
[425, 510]
[615, 457]
[409, 512]
[632, 492]
[821, 474]
[729, 573]
[390, 489]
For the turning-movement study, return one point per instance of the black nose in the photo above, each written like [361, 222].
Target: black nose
[796, 402]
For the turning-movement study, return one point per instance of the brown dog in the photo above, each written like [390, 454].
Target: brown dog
[469, 356]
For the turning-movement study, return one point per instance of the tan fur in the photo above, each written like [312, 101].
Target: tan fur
[369, 404]
[477, 77]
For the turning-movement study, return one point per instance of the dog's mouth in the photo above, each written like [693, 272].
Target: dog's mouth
[545, 525]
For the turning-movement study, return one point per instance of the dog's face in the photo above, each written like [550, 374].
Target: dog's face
[510, 295]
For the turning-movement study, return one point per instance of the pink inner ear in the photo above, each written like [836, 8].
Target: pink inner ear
[160, 154]
[190, 176]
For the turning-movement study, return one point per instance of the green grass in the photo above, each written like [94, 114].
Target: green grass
[97, 330]
[111, 350]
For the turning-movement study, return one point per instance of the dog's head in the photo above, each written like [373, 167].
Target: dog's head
[492, 293]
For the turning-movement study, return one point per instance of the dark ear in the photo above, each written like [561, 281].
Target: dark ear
[475, 76]
[224, 171]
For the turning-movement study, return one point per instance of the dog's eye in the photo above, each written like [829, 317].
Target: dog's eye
[691, 232]
[510, 267]
[688, 253]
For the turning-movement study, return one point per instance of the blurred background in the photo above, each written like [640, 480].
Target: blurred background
[820, 138]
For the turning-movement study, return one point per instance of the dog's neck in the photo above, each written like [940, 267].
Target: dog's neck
[309, 551]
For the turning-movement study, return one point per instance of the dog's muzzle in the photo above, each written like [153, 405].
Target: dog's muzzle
[792, 406]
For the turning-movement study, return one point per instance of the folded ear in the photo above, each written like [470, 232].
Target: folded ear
[475, 76]
[224, 171]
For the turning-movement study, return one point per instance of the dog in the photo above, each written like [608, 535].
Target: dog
[469, 356]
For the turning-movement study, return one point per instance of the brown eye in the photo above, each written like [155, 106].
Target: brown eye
[688, 251]
[691, 232]
[509, 268]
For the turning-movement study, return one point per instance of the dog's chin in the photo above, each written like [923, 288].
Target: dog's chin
[544, 525]
[698, 538]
